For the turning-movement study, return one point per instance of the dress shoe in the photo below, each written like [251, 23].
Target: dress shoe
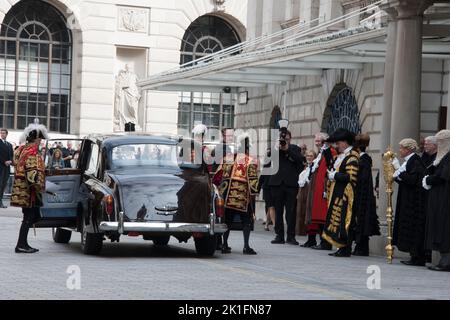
[322, 246]
[340, 253]
[3, 206]
[226, 249]
[308, 244]
[440, 268]
[249, 251]
[25, 250]
[35, 250]
[293, 242]
[277, 240]
[414, 262]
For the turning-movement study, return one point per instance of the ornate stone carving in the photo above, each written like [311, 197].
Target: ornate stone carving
[133, 19]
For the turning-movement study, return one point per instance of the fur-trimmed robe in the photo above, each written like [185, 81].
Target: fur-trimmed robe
[340, 203]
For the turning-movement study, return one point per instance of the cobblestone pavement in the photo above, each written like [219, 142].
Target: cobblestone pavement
[135, 269]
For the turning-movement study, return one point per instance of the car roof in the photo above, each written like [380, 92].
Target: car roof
[113, 140]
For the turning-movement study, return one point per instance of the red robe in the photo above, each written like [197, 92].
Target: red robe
[319, 203]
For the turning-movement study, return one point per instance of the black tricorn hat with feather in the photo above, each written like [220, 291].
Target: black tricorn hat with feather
[342, 134]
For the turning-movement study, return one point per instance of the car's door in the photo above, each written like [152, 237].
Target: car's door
[64, 168]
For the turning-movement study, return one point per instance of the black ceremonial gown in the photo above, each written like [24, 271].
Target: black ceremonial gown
[438, 213]
[427, 159]
[364, 206]
[409, 222]
[340, 204]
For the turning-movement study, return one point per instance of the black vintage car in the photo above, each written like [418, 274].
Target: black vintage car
[135, 185]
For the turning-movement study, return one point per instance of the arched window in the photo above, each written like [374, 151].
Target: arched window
[206, 35]
[35, 67]
[341, 111]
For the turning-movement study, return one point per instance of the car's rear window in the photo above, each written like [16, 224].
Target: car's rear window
[151, 154]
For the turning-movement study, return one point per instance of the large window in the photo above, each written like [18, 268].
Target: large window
[206, 35]
[35, 67]
[215, 110]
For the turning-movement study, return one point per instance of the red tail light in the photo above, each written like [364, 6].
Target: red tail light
[109, 202]
[220, 207]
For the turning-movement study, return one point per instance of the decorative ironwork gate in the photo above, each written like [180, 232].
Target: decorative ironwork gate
[341, 111]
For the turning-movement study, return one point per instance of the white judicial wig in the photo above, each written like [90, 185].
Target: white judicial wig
[443, 143]
[409, 144]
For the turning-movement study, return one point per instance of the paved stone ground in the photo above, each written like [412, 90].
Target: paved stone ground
[135, 269]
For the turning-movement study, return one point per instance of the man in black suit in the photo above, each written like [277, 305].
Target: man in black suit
[6, 160]
[284, 187]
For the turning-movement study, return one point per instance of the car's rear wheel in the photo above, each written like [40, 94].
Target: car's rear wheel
[161, 241]
[91, 243]
[206, 246]
[61, 235]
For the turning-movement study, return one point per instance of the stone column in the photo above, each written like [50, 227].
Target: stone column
[405, 122]
[389, 80]
[387, 112]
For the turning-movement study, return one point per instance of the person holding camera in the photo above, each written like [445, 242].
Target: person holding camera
[284, 187]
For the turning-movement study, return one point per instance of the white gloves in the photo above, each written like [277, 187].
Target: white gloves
[424, 183]
[397, 173]
[396, 164]
[331, 174]
[398, 168]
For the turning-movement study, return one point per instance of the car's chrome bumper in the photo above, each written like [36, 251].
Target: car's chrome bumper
[169, 227]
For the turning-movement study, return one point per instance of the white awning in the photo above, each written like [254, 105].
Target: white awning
[304, 49]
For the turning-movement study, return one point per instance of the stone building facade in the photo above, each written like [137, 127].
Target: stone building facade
[75, 93]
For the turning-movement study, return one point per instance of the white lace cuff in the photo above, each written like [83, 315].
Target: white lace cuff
[424, 183]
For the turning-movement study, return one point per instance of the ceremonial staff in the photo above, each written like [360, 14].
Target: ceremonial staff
[389, 170]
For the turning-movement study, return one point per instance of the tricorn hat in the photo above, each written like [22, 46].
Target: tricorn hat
[342, 134]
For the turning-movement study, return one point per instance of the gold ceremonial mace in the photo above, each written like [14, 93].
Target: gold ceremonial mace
[389, 170]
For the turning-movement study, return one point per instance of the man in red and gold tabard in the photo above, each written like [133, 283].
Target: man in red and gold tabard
[317, 205]
[29, 182]
[237, 179]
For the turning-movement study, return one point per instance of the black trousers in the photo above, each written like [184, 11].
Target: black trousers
[4, 176]
[285, 197]
[30, 217]
[246, 219]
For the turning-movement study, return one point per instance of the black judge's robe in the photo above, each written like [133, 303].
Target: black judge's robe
[438, 213]
[364, 206]
[409, 222]
[427, 159]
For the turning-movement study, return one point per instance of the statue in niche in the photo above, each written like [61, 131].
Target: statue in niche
[127, 97]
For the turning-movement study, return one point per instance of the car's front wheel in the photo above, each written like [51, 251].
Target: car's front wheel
[206, 245]
[91, 243]
[61, 235]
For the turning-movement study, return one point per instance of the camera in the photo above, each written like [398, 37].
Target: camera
[282, 139]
